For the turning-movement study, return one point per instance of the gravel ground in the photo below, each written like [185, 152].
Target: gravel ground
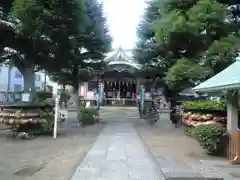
[44, 158]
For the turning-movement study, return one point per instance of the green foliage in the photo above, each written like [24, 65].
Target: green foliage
[209, 16]
[194, 39]
[29, 13]
[87, 116]
[65, 95]
[184, 73]
[52, 35]
[90, 45]
[181, 5]
[209, 137]
[189, 131]
[205, 105]
[45, 126]
[43, 95]
[175, 21]
[222, 52]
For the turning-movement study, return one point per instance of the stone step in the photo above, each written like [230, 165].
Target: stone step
[177, 170]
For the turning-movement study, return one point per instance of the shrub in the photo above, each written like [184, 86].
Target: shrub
[43, 95]
[45, 126]
[210, 137]
[189, 131]
[87, 116]
[65, 95]
[205, 105]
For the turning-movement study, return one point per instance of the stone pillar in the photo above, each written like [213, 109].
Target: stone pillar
[232, 110]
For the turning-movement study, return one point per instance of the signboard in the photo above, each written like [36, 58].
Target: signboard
[90, 95]
[26, 97]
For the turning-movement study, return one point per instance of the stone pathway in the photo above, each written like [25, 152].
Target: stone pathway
[118, 154]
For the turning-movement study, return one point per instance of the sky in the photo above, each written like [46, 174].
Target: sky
[123, 17]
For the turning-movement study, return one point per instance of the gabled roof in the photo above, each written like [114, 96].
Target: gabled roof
[121, 57]
[228, 79]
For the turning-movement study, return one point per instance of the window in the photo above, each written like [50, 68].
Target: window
[17, 74]
[17, 87]
[37, 77]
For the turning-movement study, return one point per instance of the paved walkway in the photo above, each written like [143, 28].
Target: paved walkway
[118, 154]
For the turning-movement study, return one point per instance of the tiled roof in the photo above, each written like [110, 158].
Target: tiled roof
[121, 56]
[228, 79]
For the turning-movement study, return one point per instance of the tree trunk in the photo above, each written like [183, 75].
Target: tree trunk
[76, 97]
[173, 104]
[75, 85]
[65, 97]
[9, 78]
[45, 81]
[29, 82]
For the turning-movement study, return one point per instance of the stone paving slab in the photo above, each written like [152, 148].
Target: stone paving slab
[118, 154]
[175, 169]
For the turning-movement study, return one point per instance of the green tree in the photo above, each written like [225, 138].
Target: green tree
[195, 39]
[44, 35]
[91, 44]
[192, 31]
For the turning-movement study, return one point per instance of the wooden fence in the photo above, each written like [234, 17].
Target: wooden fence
[233, 148]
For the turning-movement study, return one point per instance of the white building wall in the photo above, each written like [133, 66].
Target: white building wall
[3, 78]
[13, 80]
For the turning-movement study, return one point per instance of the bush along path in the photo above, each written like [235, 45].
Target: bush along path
[206, 121]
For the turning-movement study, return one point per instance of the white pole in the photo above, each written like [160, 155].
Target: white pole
[56, 96]
[56, 117]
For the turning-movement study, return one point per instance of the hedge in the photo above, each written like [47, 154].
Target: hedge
[212, 138]
[205, 105]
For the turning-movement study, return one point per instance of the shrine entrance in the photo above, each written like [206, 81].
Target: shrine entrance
[120, 85]
[120, 88]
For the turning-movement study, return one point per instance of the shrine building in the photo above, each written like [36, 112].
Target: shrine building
[121, 86]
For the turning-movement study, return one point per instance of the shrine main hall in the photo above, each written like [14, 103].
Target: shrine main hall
[121, 86]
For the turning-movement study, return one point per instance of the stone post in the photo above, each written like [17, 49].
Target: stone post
[232, 110]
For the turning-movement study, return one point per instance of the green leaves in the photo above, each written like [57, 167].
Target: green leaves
[222, 52]
[29, 12]
[174, 21]
[89, 41]
[209, 137]
[207, 15]
[184, 73]
[205, 105]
